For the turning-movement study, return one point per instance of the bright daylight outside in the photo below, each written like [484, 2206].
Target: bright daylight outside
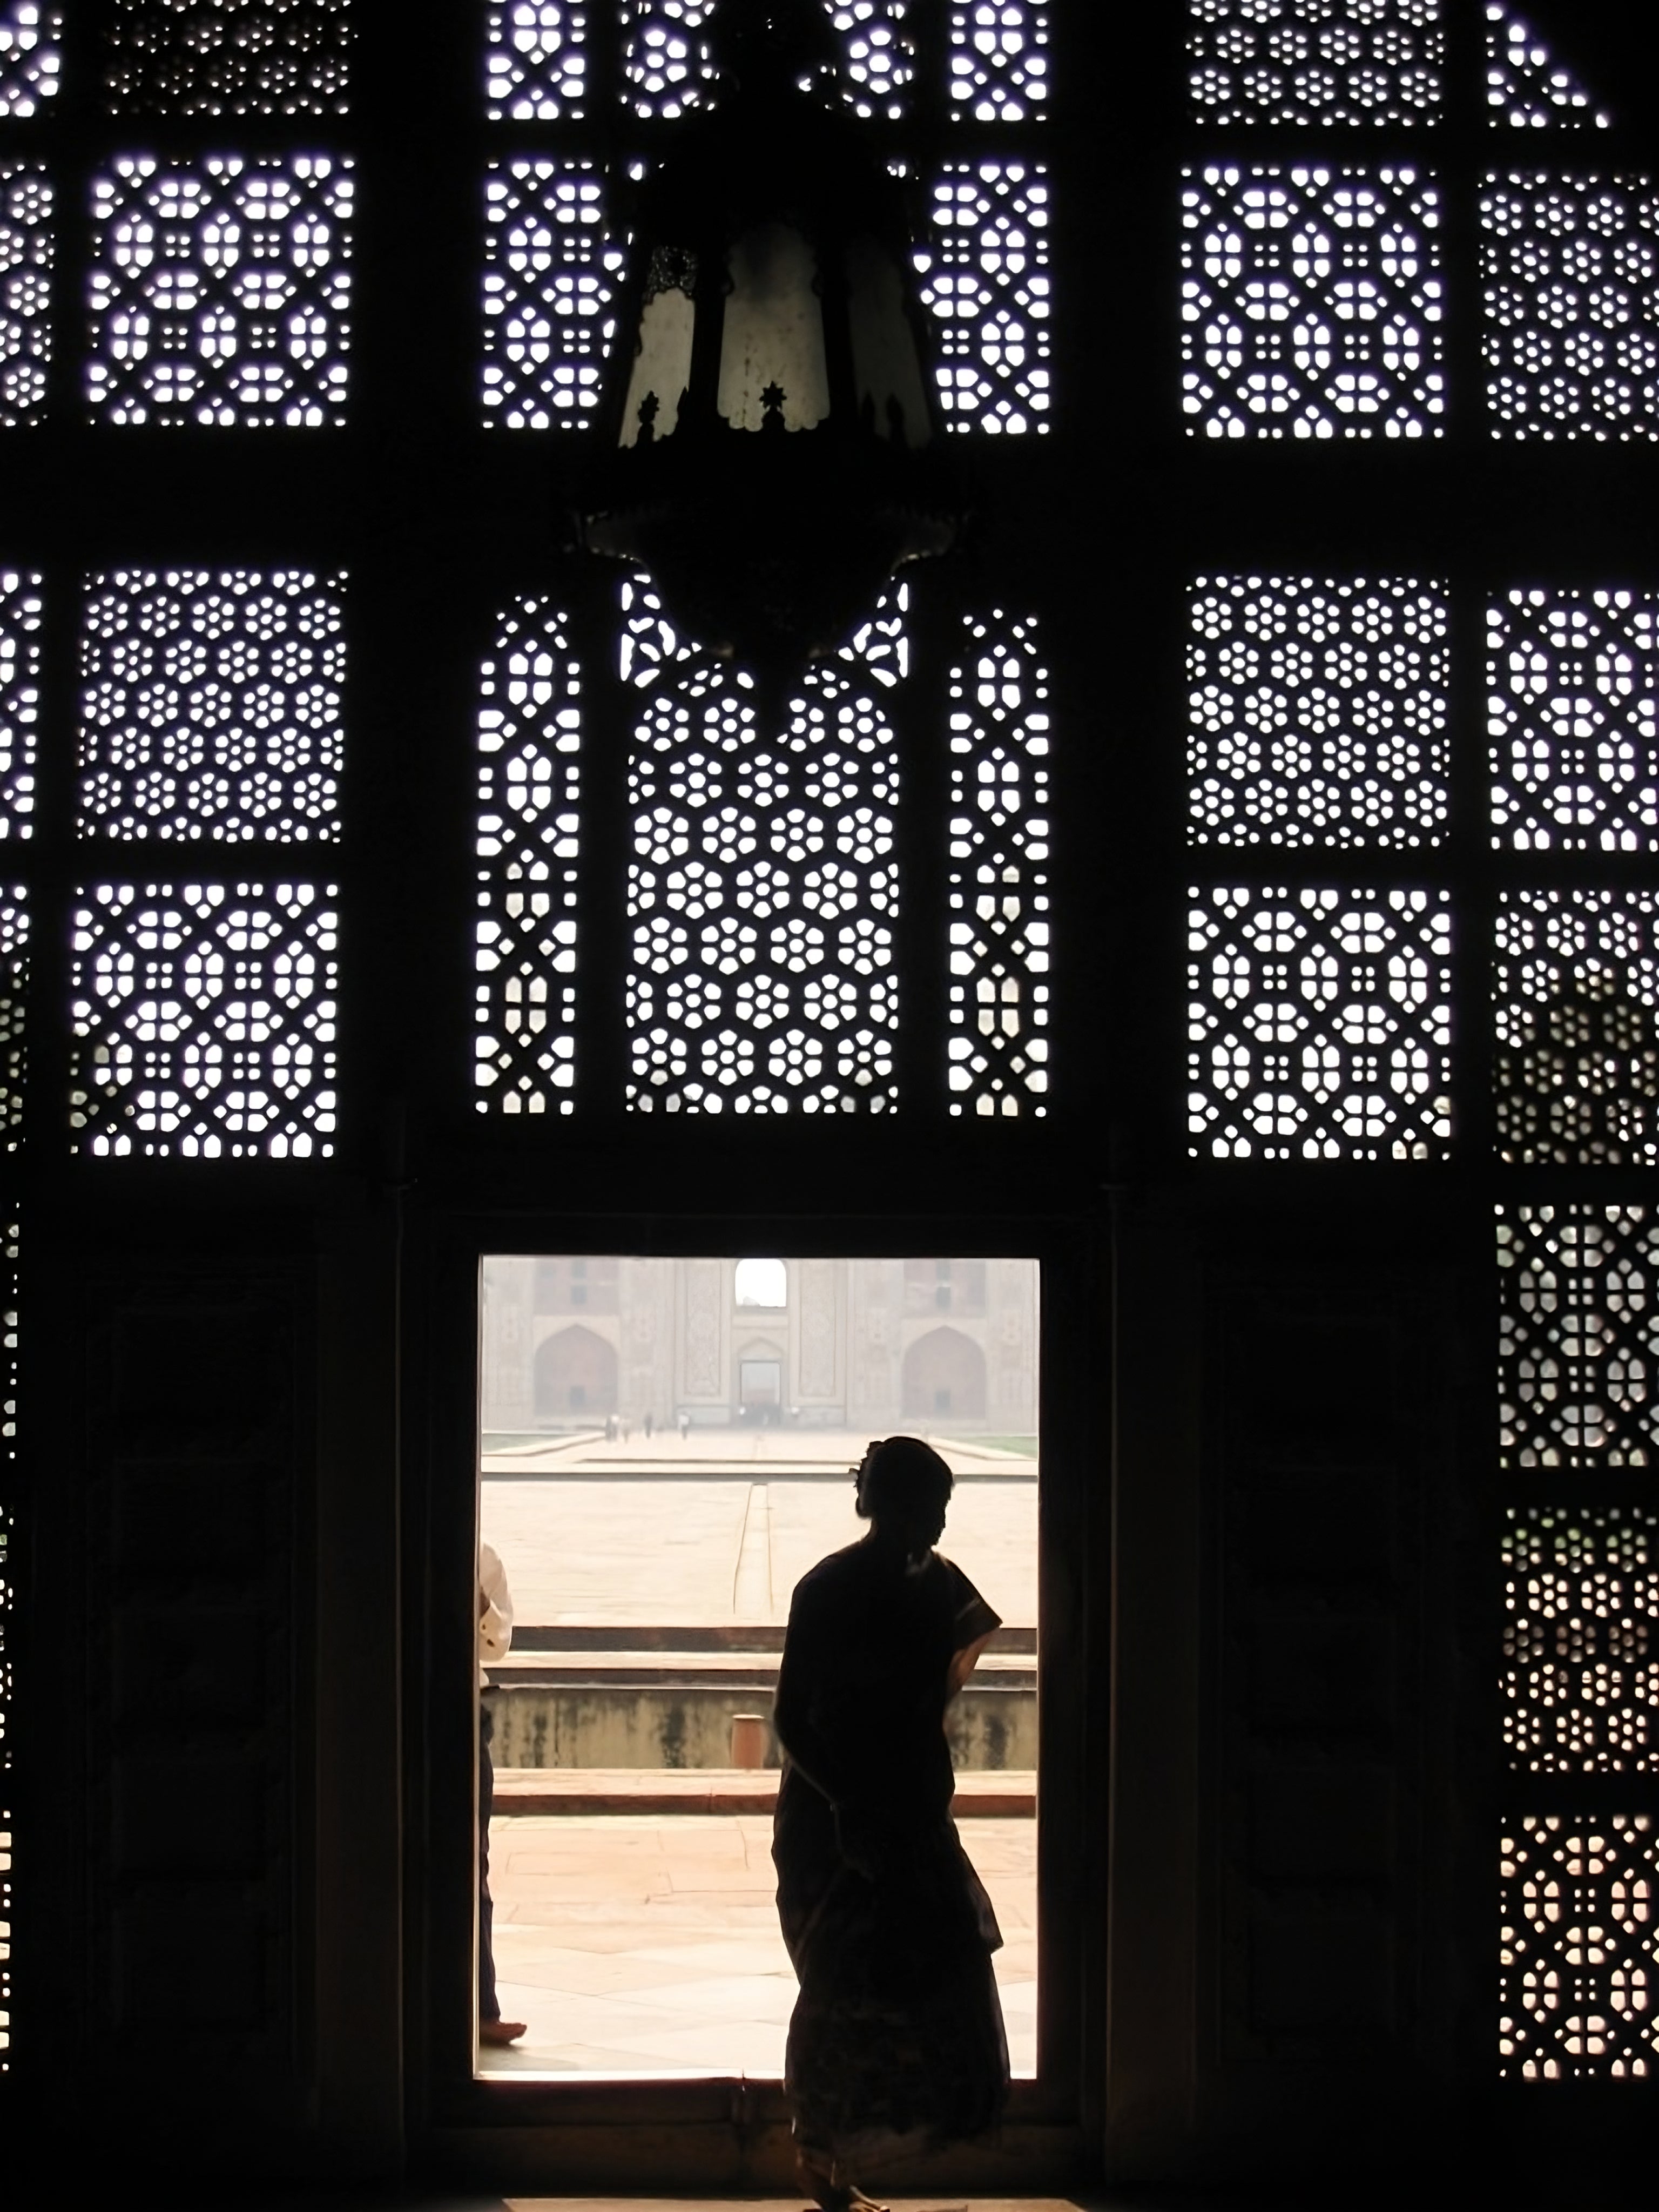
[666, 1446]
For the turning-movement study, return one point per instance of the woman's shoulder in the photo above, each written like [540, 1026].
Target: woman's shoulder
[971, 1616]
[834, 1573]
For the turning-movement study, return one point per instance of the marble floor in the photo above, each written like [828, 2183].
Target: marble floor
[648, 1943]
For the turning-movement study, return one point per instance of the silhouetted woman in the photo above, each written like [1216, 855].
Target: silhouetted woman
[896, 2040]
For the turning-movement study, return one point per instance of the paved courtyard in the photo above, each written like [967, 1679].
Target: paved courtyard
[720, 1527]
[642, 1944]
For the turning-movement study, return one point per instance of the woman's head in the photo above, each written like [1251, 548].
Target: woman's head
[905, 1486]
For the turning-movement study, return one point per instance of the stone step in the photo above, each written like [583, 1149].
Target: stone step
[586, 1790]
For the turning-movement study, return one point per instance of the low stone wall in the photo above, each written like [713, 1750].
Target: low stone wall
[674, 1725]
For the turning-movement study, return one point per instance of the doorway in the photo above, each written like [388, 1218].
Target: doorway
[652, 1516]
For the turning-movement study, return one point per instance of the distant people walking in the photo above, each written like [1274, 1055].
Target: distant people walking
[650, 1423]
[685, 1425]
[897, 2037]
[610, 1428]
[495, 1639]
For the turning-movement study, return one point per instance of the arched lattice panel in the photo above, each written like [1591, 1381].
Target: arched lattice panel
[763, 886]
[529, 842]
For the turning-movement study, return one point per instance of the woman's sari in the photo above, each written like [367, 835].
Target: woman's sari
[896, 2040]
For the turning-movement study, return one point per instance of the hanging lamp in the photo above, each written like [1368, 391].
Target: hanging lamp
[774, 444]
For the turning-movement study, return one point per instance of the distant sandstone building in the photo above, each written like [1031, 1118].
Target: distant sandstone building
[948, 1345]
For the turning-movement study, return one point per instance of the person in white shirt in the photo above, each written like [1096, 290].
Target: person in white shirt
[494, 1640]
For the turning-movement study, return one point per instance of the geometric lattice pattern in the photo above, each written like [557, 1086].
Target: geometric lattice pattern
[999, 1006]
[1320, 1024]
[205, 1020]
[1315, 61]
[536, 59]
[13, 983]
[25, 202]
[1576, 981]
[30, 55]
[876, 63]
[666, 65]
[1317, 712]
[1571, 272]
[987, 291]
[1581, 1639]
[1524, 87]
[229, 57]
[219, 290]
[761, 897]
[211, 704]
[549, 277]
[999, 61]
[1578, 1337]
[1573, 709]
[1312, 303]
[529, 826]
[1580, 1947]
[19, 698]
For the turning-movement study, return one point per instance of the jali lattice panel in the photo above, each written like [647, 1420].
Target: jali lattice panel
[998, 1003]
[1320, 1024]
[666, 65]
[19, 698]
[13, 986]
[548, 280]
[875, 58]
[1581, 1639]
[987, 291]
[1315, 61]
[1317, 712]
[762, 897]
[26, 203]
[1572, 704]
[1578, 1337]
[536, 59]
[1576, 1070]
[229, 56]
[1312, 300]
[30, 55]
[1570, 271]
[529, 836]
[1580, 1949]
[221, 291]
[1526, 88]
[205, 1020]
[211, 704]
[999, 61]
